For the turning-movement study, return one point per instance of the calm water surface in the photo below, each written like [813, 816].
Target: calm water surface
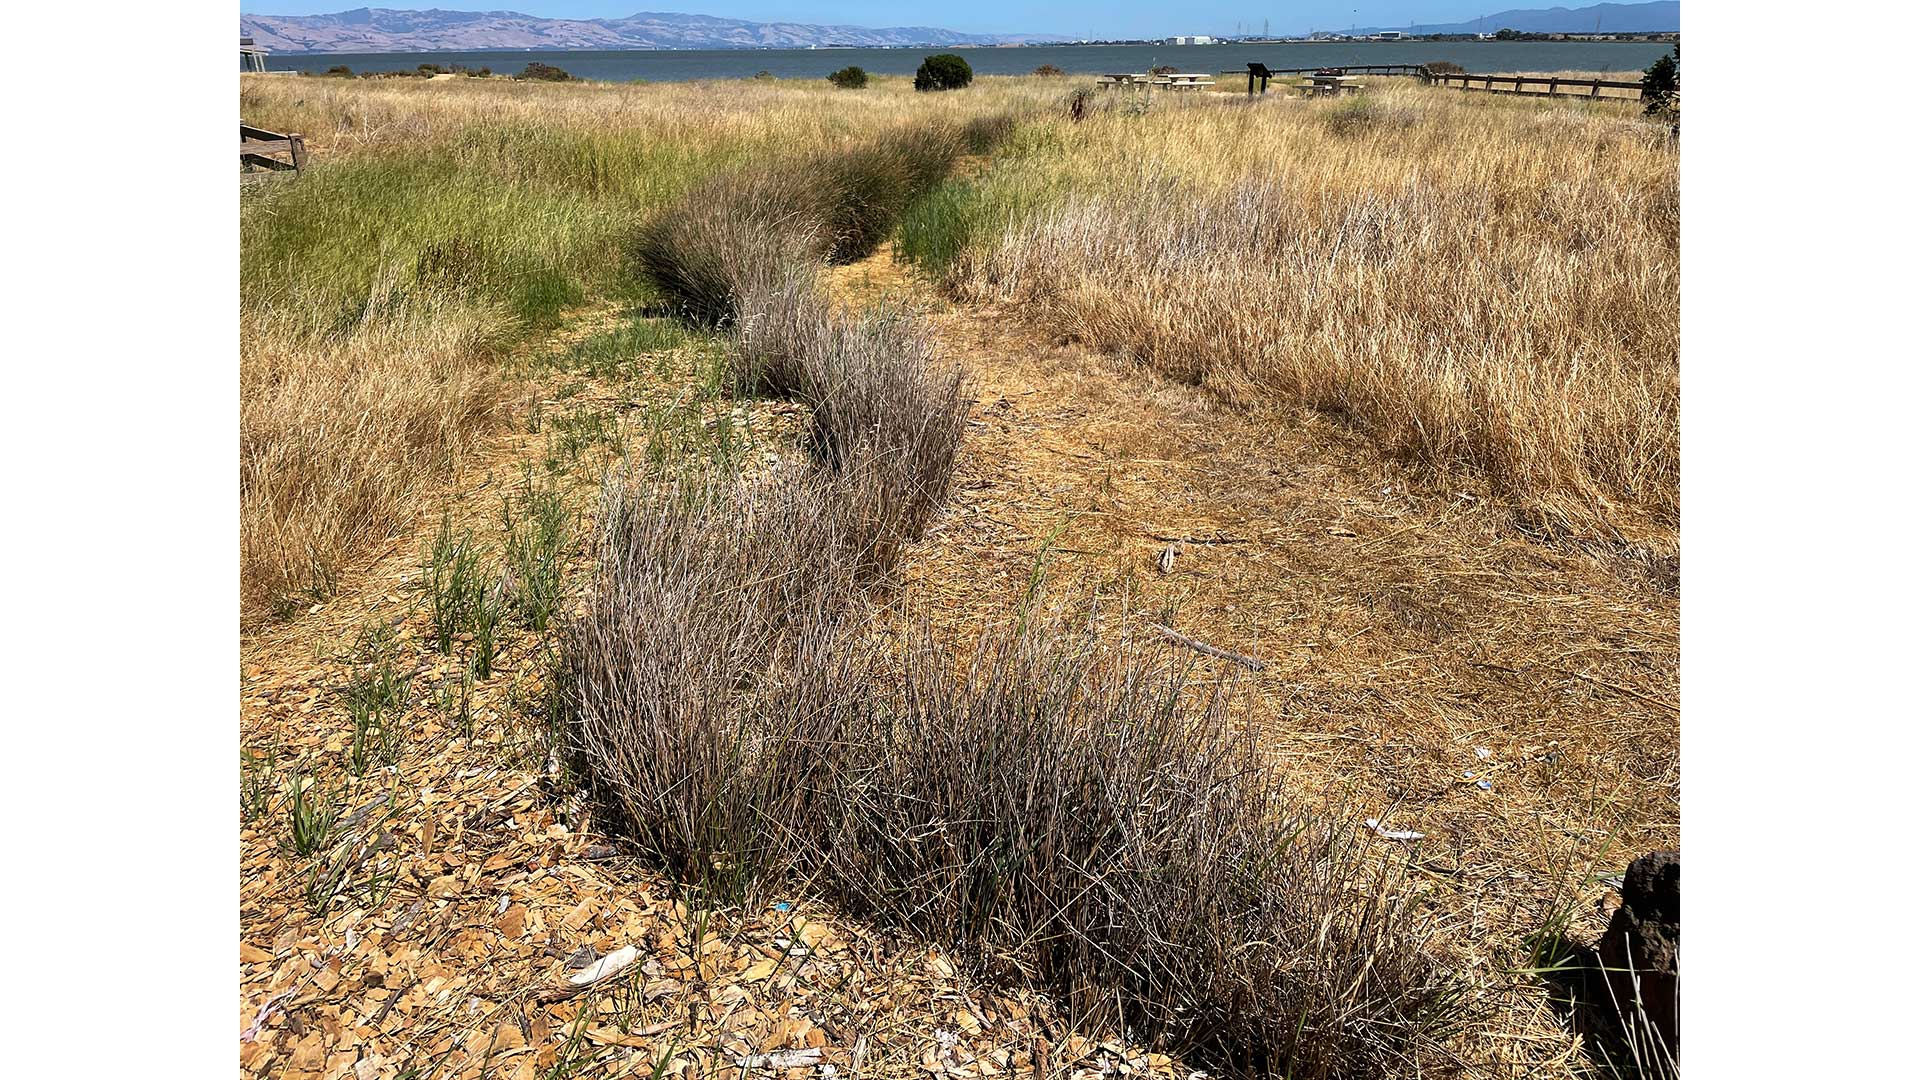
[683, 65]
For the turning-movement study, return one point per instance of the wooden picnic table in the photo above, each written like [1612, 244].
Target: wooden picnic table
[1177, 80]
[1330, 85]
[1174, 80]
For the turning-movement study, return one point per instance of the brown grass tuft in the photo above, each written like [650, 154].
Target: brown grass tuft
[338, 439]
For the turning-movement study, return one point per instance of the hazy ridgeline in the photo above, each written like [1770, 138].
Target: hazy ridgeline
[1477, 282]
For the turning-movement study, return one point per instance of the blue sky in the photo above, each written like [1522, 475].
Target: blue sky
[1075, 18]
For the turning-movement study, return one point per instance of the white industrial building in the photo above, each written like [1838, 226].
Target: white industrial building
[1190, 39]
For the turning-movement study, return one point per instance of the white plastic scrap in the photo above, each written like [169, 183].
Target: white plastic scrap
[606, 967]
[1483, 752]
[1393, 834]
[785, 1059]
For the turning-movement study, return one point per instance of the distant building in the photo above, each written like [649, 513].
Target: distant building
[252, 57]
[1190, 39]
[1390, 35]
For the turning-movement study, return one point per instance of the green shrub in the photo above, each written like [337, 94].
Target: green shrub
[849, 78]
[1049, 71]
[1660, 86]
[340, 71]
[544, 73]
[1445, 67]
[943, 71]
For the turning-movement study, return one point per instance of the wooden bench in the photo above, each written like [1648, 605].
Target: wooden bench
[259, 147]
[1332, 85]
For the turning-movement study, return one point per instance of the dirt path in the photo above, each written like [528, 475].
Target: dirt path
[1513, 701]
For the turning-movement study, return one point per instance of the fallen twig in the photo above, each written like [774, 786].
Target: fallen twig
[1178, 638]
[1674, 709]
[1217, 538]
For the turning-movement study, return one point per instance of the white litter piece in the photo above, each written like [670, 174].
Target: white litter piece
[606, 967]
[786, 1059]
[1393, 834]
[1484, 785]
[1483, 752]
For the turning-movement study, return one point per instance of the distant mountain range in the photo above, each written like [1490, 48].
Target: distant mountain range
[1661, 16]
[372, 30]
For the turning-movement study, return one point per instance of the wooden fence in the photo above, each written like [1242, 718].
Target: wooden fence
[1525, 85]
[1541, 85]
[260, 148]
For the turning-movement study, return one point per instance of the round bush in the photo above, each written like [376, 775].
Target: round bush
[849, 78]
[944, 71]
[1048, 70]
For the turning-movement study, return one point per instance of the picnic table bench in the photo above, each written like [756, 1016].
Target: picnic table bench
[1332, 85]
[1188, 80]
[259, 149]
[1174, 80]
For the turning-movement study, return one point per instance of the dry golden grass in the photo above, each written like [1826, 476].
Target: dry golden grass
[442, 222]
[1481, 283]
[338, 438]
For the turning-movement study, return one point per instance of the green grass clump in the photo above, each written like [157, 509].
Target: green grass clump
[256, 784]
[453, 583]
[466, 596]
[376, 698]
[935, 230]
[622, 351]
[536, 550]
[312, 810]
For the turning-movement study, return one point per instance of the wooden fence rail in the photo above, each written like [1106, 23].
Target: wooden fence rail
[1543, 85]
[259, 147]
[1525, 85]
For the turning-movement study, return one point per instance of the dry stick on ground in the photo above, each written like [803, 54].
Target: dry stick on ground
[1178, 638]
[1216, 539]
[1637, 695]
